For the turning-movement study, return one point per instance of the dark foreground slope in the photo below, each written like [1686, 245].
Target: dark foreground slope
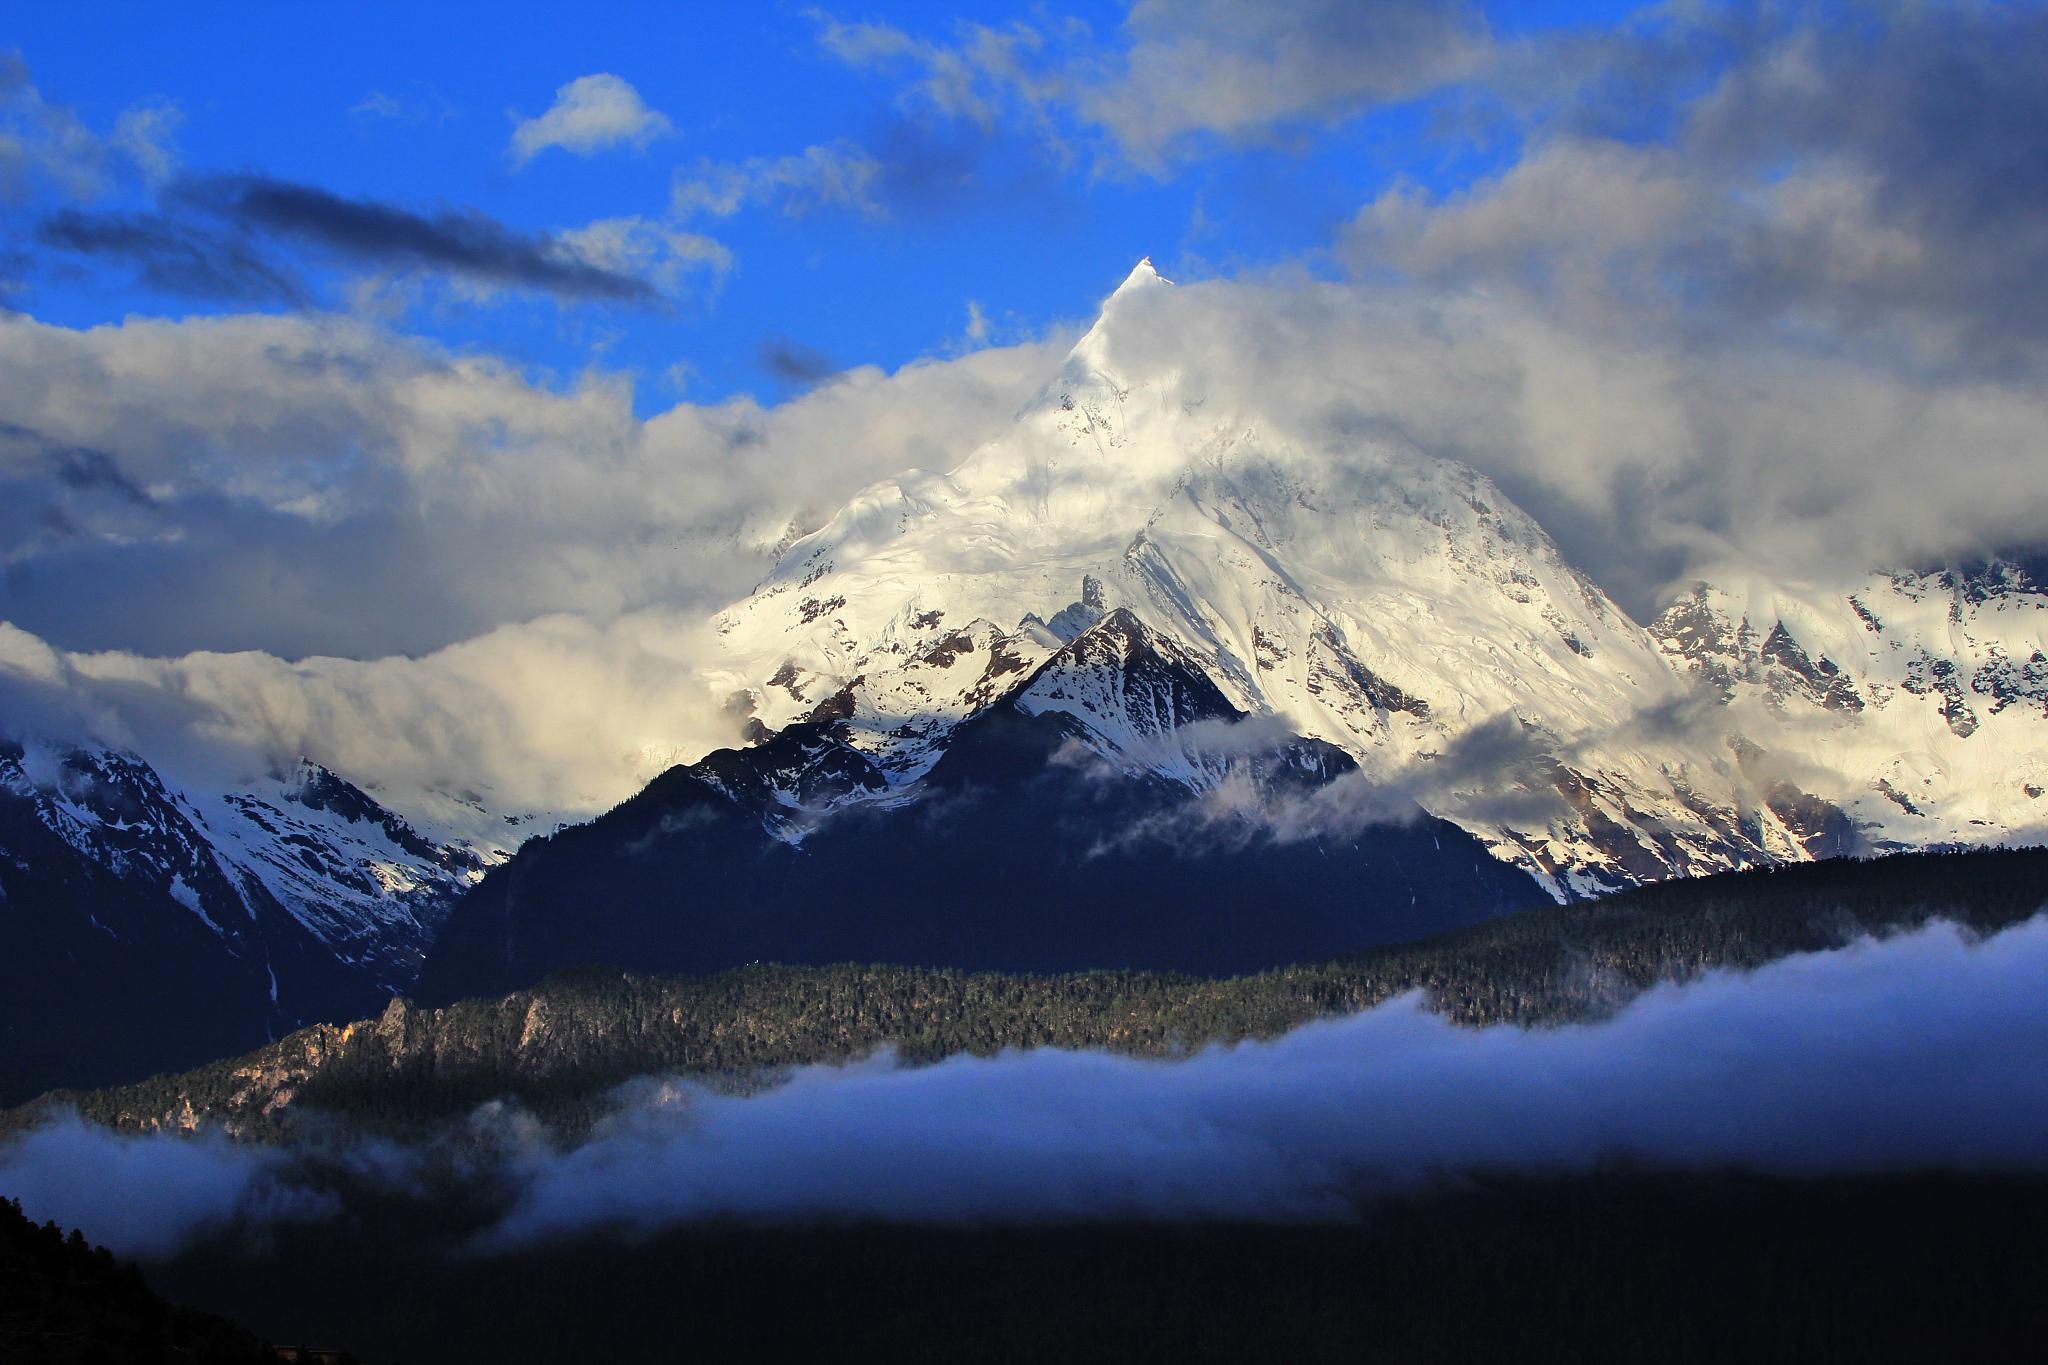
[560, 1047]
[66, 1302]
[1012, 858]
[1681, 1270]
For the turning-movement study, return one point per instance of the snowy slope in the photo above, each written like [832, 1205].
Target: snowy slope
[1916, 702]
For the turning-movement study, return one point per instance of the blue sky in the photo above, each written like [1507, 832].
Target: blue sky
[414, 107]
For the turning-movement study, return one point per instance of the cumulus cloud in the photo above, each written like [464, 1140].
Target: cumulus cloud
[590, 114]
[1922, 1051]
[318, 486]
[1803, 168]
[1752, 289]
[1652, 451]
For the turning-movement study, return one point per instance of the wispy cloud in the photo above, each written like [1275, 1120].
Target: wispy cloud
[1180, 77]
[421, 103]
[192, 259]
[460, 242]
[792, 362]
[46, 149]
[838, 175]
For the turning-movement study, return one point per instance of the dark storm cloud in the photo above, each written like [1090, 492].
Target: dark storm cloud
[85, 470]
[190, 259]
[1940, 117]
[792, 362]
[460, 242]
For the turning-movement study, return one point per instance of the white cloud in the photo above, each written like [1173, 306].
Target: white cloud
[44, 147]
[317, 486]
[421, 104]
[146, 136]
[590, 114]
[1195, 68]
[149, 1198]
[1180, 73]
[377, 104]
[651, 250]
[508, 715]
[985, 76]
[837, 175]
[518, 572]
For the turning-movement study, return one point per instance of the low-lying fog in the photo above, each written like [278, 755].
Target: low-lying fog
[1925, 1050]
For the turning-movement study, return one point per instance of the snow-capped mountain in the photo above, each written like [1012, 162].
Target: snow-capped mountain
[1159, 677]
[289, 898]
[1401, 608]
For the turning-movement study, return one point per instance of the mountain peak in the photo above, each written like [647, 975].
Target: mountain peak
[1142, 276]
[1090, 354]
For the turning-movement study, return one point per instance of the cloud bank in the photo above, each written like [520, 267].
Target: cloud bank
[247, 539]
[1926, 1050]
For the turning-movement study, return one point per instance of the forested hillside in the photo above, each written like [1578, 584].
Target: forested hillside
[559, 1047]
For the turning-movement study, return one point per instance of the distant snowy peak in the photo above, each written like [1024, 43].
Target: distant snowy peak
[1920, 698]
[301, 843]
